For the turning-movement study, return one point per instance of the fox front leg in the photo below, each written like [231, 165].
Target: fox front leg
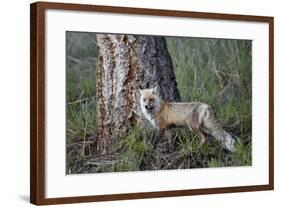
[168, 135]
[159, 133]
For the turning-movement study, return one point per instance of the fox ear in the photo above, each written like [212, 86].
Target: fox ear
[155, 90]
[140, 90]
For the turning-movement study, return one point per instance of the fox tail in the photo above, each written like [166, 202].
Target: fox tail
[228, 142]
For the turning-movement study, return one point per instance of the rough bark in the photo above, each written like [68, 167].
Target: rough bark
[127, 62]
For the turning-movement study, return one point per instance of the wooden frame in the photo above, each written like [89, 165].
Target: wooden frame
[37, 102]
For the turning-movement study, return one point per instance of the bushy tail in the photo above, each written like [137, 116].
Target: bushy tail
[228, 142]
[212, 126]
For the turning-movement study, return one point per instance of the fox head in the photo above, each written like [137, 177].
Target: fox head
[149, 100]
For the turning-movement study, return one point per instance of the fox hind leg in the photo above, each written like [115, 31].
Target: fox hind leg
[202, 137]
[199, 132]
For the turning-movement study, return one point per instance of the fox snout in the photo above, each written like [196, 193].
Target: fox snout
[149, 107]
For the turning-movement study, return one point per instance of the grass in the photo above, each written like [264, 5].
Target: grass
[80, 96]
[134, 147]
[214, 71]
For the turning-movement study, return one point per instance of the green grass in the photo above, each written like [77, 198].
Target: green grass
[214, 71]
[80, 96]
[133, 147]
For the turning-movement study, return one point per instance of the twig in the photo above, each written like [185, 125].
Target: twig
[77, 101]
[84, 136]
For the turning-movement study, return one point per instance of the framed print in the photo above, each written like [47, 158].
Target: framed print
[130, 103]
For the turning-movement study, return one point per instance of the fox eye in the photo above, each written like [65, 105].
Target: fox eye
[144, 100]
[150, 100]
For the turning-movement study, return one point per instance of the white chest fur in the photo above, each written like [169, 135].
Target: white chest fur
[148, 116]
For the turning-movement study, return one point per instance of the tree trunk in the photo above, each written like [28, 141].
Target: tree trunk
[127, 62]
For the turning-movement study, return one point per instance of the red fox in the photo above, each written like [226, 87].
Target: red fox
[198, 117]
